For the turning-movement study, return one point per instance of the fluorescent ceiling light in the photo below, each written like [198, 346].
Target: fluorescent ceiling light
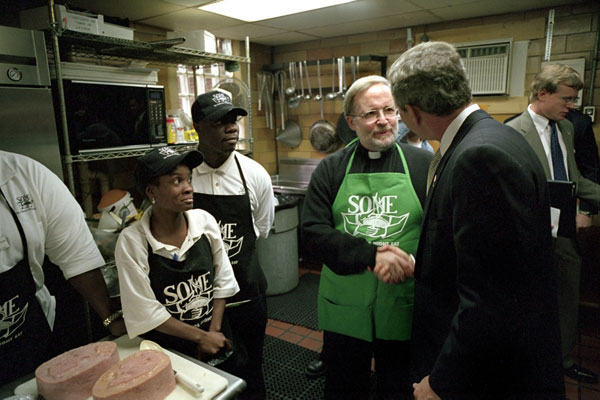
[257, 10]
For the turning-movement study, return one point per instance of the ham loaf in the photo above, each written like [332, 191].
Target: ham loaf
[71, 375]
[146, 374]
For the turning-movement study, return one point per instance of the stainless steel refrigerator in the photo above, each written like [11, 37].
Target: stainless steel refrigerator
[27, 121]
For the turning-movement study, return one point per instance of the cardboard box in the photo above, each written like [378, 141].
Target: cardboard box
[117, 31]
[200, 40]
[38, 18]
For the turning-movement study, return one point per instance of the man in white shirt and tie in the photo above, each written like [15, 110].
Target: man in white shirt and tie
[553, 94]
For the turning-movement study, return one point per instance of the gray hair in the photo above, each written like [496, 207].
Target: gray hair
[553, 75]
[359, 86]
[431, 77]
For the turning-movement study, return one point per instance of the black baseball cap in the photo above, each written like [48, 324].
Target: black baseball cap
[214, 105]
[161, 161]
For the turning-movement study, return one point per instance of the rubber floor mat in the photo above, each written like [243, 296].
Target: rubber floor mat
[284, 365]
[298, 307]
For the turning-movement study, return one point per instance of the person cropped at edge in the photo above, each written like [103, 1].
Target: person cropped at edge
[174, 274]
[41, 219]
[237, 191]
[553, 92]
[587, 160]
[405, 135]
[485, 322]
[366, 195]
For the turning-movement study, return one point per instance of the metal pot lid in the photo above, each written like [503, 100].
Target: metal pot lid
[343, 130]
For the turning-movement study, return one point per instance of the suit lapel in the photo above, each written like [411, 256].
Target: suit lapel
[464, 129]
[530, 133]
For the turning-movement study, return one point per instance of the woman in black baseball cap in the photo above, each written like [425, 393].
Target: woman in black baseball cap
[174, 273]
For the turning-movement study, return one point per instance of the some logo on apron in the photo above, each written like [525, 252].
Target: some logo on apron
[191, 299]
[11, 319]
[24, 203]
[233, 245]
[372, 217]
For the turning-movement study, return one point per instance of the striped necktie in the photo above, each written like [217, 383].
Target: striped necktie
[558, 161]
[435, 161]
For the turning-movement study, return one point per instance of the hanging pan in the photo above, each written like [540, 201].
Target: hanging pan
[322, 133]
[290, 133]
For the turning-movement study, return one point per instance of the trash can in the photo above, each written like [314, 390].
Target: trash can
[278, 254]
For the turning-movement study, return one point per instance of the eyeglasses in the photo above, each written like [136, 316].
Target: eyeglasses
[227, 120]
[570, 100]
[373, 115]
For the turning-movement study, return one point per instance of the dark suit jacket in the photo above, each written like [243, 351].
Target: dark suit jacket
[485, 319]
[586, 152]
[586, 189]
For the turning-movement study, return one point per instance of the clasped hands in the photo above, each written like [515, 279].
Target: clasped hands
[393, 265]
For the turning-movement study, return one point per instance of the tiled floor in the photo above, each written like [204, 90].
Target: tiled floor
[590, 346]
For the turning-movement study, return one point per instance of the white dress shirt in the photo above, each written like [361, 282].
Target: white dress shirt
[226, 180]
[542, 125]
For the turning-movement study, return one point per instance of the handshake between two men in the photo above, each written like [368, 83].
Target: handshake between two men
[393, 265]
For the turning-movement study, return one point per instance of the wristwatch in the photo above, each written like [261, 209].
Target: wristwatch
[110, 319]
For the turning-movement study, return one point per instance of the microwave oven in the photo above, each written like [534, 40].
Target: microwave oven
[104, 116]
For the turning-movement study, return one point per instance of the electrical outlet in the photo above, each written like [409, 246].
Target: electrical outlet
[590, 111]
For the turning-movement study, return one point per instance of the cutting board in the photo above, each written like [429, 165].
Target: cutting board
[213, 384]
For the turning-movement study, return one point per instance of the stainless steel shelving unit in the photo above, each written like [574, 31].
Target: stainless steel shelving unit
[80, 45]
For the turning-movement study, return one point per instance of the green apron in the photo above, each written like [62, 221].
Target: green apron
[382, 208]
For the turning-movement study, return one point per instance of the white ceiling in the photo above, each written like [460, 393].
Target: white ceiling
[351, 18]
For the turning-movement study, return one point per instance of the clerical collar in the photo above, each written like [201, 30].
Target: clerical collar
[374, 155]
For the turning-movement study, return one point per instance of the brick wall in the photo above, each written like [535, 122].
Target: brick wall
[575, 31]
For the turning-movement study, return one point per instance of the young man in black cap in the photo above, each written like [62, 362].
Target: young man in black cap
[237, 191]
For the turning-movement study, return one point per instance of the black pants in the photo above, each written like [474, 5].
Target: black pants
[248, 322]
[349, 368]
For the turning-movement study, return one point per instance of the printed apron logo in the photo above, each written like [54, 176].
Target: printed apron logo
[233, 245]
[372, 217]
[11, 318]
[189, 300]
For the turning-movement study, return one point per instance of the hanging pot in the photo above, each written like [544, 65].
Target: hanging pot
[323, 137]
[343, 130]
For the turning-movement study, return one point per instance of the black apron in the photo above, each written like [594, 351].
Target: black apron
[186, 290]
[25, 336]
[234, 215]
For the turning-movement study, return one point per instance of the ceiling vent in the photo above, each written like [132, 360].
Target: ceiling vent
[486, 65]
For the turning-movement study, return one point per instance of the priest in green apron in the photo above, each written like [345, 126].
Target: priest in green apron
[361, 218]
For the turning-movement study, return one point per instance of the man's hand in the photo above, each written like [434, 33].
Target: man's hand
[422, 390]
[583, 221]
[393, 265]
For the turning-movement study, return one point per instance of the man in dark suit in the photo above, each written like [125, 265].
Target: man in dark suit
[485, 319]
[551, 136]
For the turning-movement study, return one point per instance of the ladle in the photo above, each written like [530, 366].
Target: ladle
[308, 96]
[341, 77]
[196, 388]
[332, 95]
[319, 96]
[292, 89]
[301, 96]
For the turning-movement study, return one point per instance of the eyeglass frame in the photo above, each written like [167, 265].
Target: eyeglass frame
[379, 111]
[570, 100]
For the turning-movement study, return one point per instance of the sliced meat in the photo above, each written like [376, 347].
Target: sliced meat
[71, 375]
[146, 375]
